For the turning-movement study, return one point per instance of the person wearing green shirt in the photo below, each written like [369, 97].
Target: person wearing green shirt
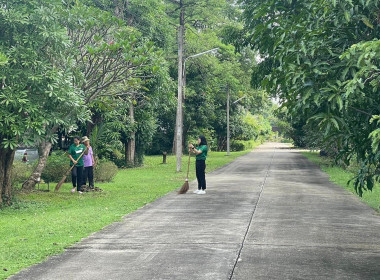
[75, 151]
[200, 163]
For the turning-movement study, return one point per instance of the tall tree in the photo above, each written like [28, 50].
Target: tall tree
[108, 59]
[36, 80]
[149, 17]
[310, 62]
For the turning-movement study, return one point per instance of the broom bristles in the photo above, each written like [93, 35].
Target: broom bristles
[184, 188]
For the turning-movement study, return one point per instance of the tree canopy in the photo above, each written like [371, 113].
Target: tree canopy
[320, 58]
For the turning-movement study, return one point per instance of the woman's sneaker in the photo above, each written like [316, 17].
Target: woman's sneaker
[201, 192]
[73, 190]
[196, 191]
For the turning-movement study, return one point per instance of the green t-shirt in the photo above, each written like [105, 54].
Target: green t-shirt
[75, 152]
[203, 155]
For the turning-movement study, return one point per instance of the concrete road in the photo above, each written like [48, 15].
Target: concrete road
[268, 215]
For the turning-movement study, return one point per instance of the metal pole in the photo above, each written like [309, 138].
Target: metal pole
[228, 120]
[202, 53]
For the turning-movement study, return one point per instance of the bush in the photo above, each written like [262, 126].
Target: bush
[239, 145]
[56, 166]
[21, 172]
[105, 171]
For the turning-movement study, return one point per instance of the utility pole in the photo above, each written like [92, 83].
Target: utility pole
[178, 137]
[228, 120]
[181, 92]
[179, 116]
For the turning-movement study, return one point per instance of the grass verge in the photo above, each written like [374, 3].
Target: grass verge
[41, 224]
[341, 176]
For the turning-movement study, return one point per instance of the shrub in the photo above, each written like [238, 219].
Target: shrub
[21, 172]
[105, 171]
[239, 145]
[56, 166]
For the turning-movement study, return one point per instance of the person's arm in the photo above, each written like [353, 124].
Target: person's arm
[71, 158]
[197, 152]
[194, 150]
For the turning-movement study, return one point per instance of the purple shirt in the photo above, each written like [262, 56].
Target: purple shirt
[87, 159]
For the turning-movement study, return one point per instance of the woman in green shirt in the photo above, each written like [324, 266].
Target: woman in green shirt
[75, 151]
[200, 163]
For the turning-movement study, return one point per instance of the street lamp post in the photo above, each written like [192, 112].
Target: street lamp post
[228, 117]
[184, 65]
[181, 91]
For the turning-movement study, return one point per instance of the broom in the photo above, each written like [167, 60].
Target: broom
[185, 186]
[58, 186]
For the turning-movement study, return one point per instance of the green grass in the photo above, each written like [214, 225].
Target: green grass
[340, 176]
[41, 224]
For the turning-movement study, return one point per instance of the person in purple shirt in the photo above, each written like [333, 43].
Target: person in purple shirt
[88, 163]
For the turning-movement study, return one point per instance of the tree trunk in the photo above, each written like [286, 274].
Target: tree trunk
[174, 141]
[6, 162]
[43, 152]
[126, 152]
[96, 120]
[60, 142]
[179, 115]
[119, 9]
[131, 149]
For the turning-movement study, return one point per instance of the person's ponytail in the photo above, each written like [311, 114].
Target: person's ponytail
[203, 140]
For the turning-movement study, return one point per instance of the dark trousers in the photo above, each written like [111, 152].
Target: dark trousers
[200, 167]
[76, 176]
[88, 173]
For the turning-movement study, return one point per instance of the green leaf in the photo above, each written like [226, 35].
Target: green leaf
[335, 123]
[340, 102]
[347, 16]
[366, 21]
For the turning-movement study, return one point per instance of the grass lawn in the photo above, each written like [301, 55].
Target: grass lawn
[341, 176]
[44, 223]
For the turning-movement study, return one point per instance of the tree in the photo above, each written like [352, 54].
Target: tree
[36, 79]
[109, 61]
[150, 19]
[309, 61]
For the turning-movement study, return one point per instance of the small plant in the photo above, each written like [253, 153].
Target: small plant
[57, 165]
[105, 171]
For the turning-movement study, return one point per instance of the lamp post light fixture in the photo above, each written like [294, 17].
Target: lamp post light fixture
[215, 50]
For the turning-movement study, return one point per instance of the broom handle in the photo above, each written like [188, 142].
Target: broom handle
[188, 165]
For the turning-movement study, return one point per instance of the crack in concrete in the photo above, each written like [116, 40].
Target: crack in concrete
[252, 216]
